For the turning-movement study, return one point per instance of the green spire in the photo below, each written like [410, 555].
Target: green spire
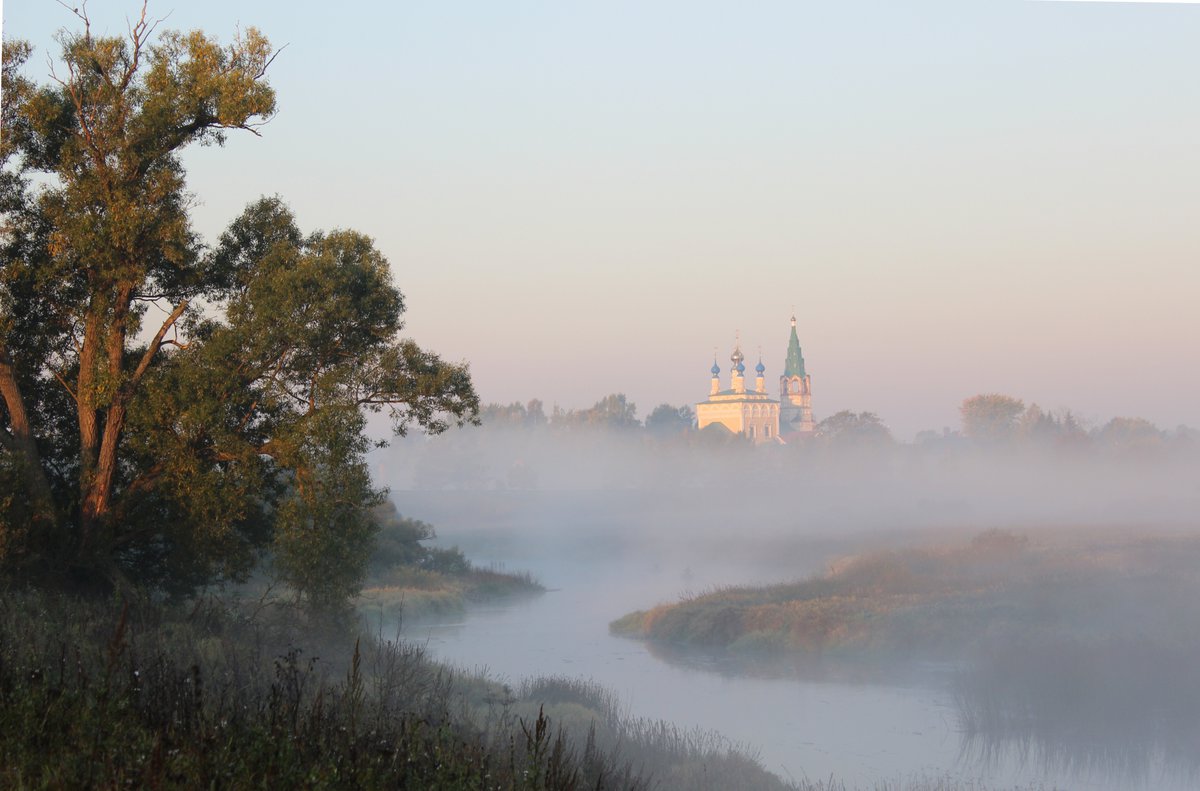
[795, 360]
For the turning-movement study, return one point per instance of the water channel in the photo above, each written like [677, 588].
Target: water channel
[815, 725]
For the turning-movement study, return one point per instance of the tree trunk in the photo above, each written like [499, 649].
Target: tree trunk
[25, 446]
[96, 505]
[85, 404]
[98, 497]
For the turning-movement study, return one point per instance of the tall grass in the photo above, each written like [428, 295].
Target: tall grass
[104, 695]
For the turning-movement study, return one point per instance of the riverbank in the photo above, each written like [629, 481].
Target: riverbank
[1076, 654]
[414, 594]
[939, 602]
[100, 694]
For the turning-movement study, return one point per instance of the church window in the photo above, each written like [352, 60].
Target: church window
[795, 386]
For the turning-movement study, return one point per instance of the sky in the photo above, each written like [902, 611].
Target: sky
[590, 197]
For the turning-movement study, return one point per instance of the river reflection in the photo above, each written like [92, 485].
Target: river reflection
[1109, 713]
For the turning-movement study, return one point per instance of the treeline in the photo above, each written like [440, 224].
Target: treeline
[529, 446]
[613, 412]
[995, 419]
[988, 420]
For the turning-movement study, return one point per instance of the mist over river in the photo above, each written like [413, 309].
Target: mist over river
[803, 722]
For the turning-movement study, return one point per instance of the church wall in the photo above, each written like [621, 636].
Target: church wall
[759, 421]
[728, 415]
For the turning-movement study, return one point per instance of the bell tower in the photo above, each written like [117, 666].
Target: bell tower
[795, 391]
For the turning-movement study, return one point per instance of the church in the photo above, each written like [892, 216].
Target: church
[752, 412]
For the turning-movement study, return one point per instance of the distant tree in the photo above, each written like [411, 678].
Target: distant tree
[502, 414]
[398, 542]
[1034, 425]
[1186, 436]
[932, 438]
[535, 413]
[667, 420]
[614, 412]
[848, 428]
[718, 436]
[991, 418]
[516, 414]
[1130, 433]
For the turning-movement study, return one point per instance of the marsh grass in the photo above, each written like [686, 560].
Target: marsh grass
[413, 593]
[940, 602]
[919, 782]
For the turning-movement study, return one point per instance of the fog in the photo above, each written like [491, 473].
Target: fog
[721, 489]
[1099, 603]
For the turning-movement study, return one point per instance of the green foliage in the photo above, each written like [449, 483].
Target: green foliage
[232, 433]
[408, 580]
[446, 561]
[398, 541]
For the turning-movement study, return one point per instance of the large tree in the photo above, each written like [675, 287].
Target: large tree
[169, 410]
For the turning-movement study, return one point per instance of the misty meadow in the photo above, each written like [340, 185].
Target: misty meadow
[928, 518]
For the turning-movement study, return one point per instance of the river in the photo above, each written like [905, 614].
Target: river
[815, 725]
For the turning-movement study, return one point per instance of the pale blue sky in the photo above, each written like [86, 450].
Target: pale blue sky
[581, 198]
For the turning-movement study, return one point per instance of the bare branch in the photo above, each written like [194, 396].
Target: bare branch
[154, 346]
[263, 71]
[81, 12]
[139, 33]
[65, 385]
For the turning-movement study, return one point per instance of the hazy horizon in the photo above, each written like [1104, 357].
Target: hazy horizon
[954, 198]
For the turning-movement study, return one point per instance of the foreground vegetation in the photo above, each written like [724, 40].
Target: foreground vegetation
[107, 696]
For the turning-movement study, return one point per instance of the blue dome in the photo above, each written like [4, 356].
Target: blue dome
[760, 368]
[716, 369]
[740, 367]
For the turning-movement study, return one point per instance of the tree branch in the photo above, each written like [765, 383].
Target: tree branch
[22, 442]
[156, 344]
[66, 385]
